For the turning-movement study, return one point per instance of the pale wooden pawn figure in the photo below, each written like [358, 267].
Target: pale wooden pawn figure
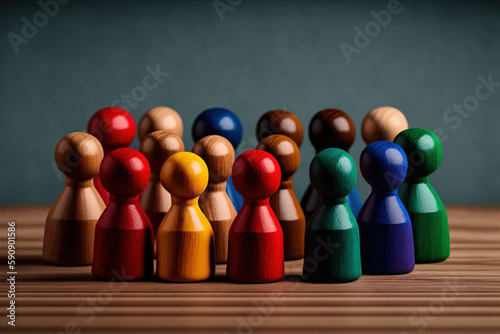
[70, 225]
[218, 153]
[284, 202]
[160, 118]
[158, 146]
[383, 123]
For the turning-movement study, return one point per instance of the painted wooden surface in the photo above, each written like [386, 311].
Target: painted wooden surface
[255, 250]
[431, 236]
[185, 239]
[330, 128]
[384, 224]
[280, 122]
[114, 127]
[225, 123]
[70, 224]
[218, 153]
[284, 202]
[459, 295]
[382, 123]
[124, 235]
[332, 251]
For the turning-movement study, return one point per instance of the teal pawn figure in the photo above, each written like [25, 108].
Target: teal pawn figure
[332, 248]
[431, 234]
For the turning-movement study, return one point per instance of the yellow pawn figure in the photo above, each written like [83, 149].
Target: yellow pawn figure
[185, 237]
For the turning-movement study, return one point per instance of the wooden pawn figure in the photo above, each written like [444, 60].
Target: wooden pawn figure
[159, 118]
[69, 229]
[431, 233]
[280, 122]
[115, 128]
[185, 237]
[218, 153]
[384, 225]
[332, 251]
[284, 202]
[157, 147]
[330, 128]
[382, 123]
[255, 253]
[124, 236]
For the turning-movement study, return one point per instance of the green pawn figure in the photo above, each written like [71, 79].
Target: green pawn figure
[332, 249]
[431, 234]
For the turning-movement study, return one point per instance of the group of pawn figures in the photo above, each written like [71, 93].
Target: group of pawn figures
[121, 208]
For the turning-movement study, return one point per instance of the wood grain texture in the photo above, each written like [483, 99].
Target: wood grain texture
[256, 251]
[431, 236]
[284, 202]
[280, 122]
[185, 239]
[459, 295]
[330, 128]
[382, 123]
[123, 235]
[218, 153]
[160, 118]
[70, 224]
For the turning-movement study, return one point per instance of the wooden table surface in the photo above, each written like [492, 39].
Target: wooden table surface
[460, 295]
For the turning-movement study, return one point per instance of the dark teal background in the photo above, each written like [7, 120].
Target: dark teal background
[262, 55]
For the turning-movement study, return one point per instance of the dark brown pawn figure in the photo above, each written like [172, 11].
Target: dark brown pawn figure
[330, 128]
[280, 122]
[155, 199]
[284, 203]
[218, 153]
[70, 224]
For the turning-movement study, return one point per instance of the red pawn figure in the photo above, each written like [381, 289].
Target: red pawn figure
[255, 250]
[123, 244]
[115, 128]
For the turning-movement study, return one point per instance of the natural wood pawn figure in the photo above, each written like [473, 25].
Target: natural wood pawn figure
[280, 122]
[70, 225]
[333, 227]
[123, 235]
[157, 147]
[185, 237]
[218, 153]
[429, 220]
[284, 202]
[159, 118]
[382, 123]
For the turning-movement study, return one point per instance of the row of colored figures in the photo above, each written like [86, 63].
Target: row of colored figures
[120, 208]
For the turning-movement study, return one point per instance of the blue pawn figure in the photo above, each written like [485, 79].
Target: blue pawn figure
[384, 224]
[225, 123]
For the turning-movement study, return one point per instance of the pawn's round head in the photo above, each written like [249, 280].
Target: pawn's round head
[280, 122]
[256, 174]
[160, 118]
[158, 146]
[332, 128]
[218, 153]
[286, 152]
[423, 149]
[333, 173]
[125, 172]
[383, 165]
[383, 123]
[218, 121]
[79, 155]
[114, 127]
[184, 175]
